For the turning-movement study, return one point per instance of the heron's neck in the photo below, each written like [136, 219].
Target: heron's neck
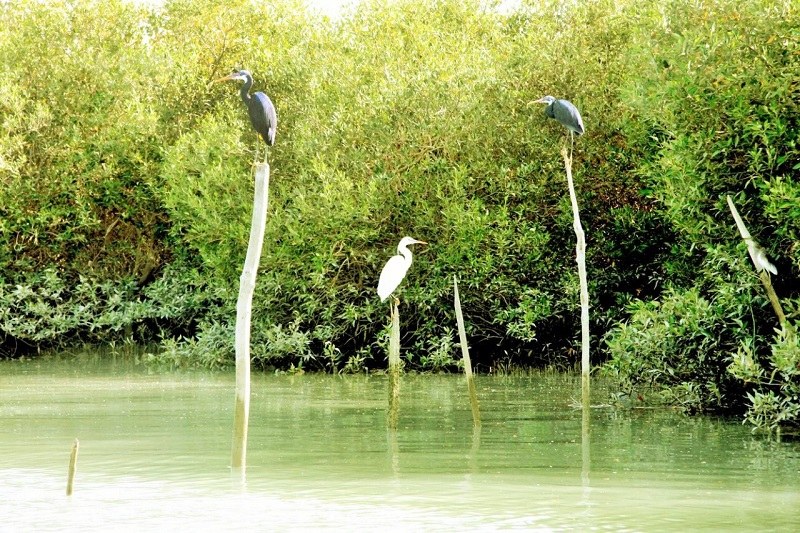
[245, 90]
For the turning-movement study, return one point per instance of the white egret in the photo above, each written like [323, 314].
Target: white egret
[396, 267]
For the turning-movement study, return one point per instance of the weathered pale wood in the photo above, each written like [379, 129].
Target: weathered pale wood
[73, 464]
[580, 257]
[244, 308]
[462, 337]
[752, 249]
[394, 336]
[394, 367]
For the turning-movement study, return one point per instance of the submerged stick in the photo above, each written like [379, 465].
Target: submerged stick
[73, 463]
[394, 367]
[580, 257]
[244, 309]
[462, 337]
[758, 257]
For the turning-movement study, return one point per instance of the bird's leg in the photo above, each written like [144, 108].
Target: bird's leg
[571, 144]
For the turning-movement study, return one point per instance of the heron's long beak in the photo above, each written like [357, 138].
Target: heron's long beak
[233, 76]
[420, 242]
[540, 101]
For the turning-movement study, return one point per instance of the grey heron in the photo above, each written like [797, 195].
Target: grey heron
[260, 108]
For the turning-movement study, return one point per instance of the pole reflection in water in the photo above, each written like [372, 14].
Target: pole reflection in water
[321, 456]
[586, 459]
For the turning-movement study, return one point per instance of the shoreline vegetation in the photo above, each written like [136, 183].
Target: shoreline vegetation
[124, 215]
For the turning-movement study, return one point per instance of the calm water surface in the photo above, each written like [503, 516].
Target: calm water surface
[155, 453]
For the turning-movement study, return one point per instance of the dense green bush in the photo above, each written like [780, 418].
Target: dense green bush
[678, 349]
[127, 188]
[774, 381]
[80, 143]
[48, 309]
[717, 99]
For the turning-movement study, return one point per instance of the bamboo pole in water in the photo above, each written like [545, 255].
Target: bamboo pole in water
[73, 463]
[752, 248]
[394, 367]
[580, 257]
[462, 337]
[244, 308]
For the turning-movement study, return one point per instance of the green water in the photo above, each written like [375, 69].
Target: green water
[155, 450]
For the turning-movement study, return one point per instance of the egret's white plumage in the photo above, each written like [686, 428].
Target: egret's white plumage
[396, 267]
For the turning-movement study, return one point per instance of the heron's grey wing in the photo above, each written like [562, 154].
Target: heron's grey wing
[263, 117]
[272, 115]
[568, 115]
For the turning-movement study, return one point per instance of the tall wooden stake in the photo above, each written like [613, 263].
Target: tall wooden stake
[394, 367]
[462, 337]
[73, 463]
[762, 274]
[244, 309]
[580, 257]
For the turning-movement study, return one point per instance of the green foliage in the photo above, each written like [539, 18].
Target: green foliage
[781, 198]
[719, 93]
[126, 181]
[774, 400]
[716, 104]
[677, 349]
[206, 195]
[80, 141]
[47, 309]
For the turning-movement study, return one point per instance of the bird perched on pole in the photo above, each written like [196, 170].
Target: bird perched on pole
[396, 267]
[260, 108]
[564, 112]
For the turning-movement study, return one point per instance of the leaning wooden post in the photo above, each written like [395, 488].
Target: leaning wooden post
[244, 308]
[758, 257]
[462, 337]
[580, 257]
[73, 463]
[394, 367]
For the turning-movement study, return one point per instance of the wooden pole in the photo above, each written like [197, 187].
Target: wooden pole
[462, 337]
[752, 248]
[73, 463]
[394, 367]
[580, 257]
[244, 309]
